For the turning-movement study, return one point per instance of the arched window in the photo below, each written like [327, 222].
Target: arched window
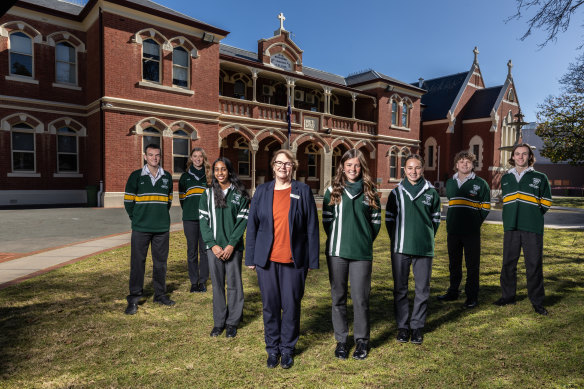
[150, 60]
[312, 154]
[394, 113]
[67, 151]
[66, 64]
[152, 136]
[403, 154]
[405, 117]
[239, 89]
[21, 55]
[243, 155]
[476, 147]
[393, 164]
[180, 151]
[23, 148]
[430, 154]
[180, 67]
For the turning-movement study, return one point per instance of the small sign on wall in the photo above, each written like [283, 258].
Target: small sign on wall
[311, 123]
[279, 60]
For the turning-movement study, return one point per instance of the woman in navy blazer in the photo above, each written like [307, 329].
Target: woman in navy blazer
[281, 277]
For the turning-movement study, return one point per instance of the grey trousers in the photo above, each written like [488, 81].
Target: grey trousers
[532, 244]
[198, 265]
[139, 249]
[226, 272]
[359, 273]
[422, 268]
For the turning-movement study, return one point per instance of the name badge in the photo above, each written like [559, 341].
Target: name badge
[295, 196]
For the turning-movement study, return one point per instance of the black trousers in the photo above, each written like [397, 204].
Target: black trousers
[471, 245]
[139, 249]
[532, 245]
[282, 288]
[198, 265]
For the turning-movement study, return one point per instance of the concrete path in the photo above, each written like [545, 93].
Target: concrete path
[34, 241]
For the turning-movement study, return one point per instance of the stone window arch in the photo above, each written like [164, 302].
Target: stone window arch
[403, 154]
[392, 160]
[476, 147]
[430, 154]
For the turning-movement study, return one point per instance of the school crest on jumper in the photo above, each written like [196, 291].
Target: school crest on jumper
[535, 184]
[427, 199]
[475, 190]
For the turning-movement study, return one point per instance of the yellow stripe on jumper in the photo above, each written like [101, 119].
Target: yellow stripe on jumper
[152, 198]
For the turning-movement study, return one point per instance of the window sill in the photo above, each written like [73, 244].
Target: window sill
[394, 180]
[173, 89]
[312, 179]
[66, 86]
[67, 175]
[28, 80]
[23, 174]
[393, 127]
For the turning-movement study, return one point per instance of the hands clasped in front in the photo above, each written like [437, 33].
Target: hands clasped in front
[222, 253]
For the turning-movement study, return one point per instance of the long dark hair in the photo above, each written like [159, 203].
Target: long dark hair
[340, 180]
[233, 179]
[531, 158]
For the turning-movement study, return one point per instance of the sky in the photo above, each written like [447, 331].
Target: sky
[404, 39]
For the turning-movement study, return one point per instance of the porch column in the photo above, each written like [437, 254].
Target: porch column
[327, 99]
[291, 84]
[254, 77]
[353, 99]
[327, 164]
[254, 148]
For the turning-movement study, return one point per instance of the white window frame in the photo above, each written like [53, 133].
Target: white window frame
[187, 68]
[75, 64]
[149, 59]
[29, 130]
[477, 141]
[76, 135]
[393, 152]
[186, 137]
[243, 144]
[32, 76]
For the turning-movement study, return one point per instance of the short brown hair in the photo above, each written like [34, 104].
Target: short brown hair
[288, 155]
[464, 154]
[531, 159]
[414, 156]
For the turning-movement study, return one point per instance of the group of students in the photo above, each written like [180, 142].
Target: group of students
[282, 242]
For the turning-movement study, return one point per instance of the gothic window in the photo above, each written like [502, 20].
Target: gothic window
[243, 157]
[405, 122]
[392, 164]
[394, 113]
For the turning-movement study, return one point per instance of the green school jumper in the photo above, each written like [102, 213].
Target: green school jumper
[191, 186]
[468, 206]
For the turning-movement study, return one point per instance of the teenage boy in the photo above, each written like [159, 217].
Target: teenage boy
[526, 198]
[147, 200]
[469, 202]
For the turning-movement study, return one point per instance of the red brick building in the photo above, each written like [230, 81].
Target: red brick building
[460, 113]
[85, 88]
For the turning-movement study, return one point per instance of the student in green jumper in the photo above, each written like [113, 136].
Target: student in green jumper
[223, 211]
[351, 219]
[412, 218]
[469, 202]
[191, 186]
[526, 198]
[147, 200]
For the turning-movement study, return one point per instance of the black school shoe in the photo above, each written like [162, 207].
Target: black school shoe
[361, 350]
[417, 336]
[403, 335]
[342, 350]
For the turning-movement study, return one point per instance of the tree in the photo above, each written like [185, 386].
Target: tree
[561, 119]
[552, 16]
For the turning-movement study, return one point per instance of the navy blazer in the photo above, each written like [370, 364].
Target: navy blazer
[303, 222]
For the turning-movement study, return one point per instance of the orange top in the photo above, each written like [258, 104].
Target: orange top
[281, 249]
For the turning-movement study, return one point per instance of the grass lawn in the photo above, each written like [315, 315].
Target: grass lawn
[66, 329]
[575, 202]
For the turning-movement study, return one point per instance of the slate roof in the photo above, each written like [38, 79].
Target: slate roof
[372, 75]
[441, 94]
[238, 53]
[75, 10]
[481, 103]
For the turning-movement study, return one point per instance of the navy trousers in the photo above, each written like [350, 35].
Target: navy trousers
[282, 288]
[139, 249]
[471, 245]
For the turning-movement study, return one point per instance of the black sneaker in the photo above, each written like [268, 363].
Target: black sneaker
[202, 287]
[216, 331]
[131, 309]
[230, 331]
[470, 303]
[273, 360]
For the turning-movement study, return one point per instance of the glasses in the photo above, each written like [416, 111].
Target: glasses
[279, 164]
